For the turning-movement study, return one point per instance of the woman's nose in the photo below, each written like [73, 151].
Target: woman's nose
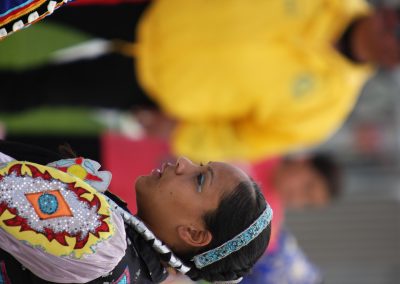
[183, 164]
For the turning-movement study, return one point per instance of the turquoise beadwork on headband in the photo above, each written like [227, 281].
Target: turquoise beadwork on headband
[235, 244]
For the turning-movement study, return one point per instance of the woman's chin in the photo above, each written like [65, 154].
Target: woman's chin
[139, 184]
[143, 186]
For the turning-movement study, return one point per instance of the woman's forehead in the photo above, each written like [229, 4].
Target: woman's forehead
[226, 175]
[231, 170]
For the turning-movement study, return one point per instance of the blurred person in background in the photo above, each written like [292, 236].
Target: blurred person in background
[287, 264]
[309, 180]
[231, 80]
[296, 183]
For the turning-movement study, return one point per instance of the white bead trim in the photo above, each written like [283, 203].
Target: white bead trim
[18, 25]
[33, 17]
[142, 229]
[51, 6]
[3, 32]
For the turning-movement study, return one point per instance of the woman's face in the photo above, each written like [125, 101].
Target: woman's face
[382, 37]
[300, 185]
[181, 193]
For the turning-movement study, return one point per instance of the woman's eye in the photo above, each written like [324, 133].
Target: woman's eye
[200, 181]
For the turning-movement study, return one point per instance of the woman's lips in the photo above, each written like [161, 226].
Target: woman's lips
[159, 172]
[156, 172]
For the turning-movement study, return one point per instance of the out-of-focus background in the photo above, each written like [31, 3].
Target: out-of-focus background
[355, 240]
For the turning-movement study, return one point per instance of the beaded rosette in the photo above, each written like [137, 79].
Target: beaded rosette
[52, 210]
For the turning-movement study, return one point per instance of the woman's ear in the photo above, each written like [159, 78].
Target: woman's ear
[195, 237]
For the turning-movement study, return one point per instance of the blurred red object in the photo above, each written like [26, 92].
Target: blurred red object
[263, 173]
[127, 159]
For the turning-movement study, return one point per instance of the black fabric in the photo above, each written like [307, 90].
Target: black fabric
[344, 43]
[104, 21]
[46, 149]
[155, 272]
[108, 81]
[140, 260]
[140, 271]
[25, 152]
[117, 200]
[12, 270]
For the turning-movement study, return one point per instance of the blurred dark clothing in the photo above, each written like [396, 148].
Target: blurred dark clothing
[108, 81]
[45, 149]
[103, 21]
[282, 265]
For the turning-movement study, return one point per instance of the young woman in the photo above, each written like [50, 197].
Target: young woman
[207, 221]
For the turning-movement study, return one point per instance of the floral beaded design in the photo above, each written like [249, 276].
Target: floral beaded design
[51, 210]
[236, 243]
[85, 169]
[48, 203]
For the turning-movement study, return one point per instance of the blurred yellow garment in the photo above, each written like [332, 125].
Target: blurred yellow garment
[249, 78]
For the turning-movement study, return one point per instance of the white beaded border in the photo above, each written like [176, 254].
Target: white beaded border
[148, 235]
[33, 16]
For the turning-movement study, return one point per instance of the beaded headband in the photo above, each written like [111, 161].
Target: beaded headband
[236, 243]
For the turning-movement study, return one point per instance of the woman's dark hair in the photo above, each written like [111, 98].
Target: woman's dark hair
[236, 212]
[327, 167]
[36, 154]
